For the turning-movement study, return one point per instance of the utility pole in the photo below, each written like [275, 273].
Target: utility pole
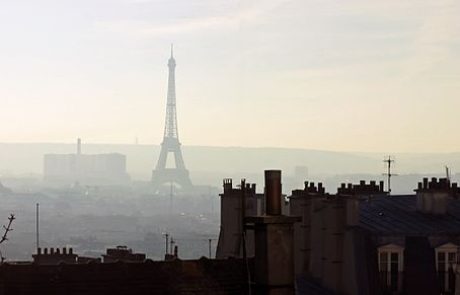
[37, 220]
[389, 161]
[166, 242]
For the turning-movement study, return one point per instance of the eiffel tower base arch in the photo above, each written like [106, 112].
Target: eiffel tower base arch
[162, 177]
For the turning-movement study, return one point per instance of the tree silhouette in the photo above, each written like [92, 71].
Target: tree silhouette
[4, 238]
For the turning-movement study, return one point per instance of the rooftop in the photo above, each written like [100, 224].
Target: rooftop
[395, 215]
[201, 276]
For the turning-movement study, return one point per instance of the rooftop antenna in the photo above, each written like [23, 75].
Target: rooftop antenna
[389, 161]
[172, 51]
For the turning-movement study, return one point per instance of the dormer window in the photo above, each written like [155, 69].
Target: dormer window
[446, 263]
[390, 261]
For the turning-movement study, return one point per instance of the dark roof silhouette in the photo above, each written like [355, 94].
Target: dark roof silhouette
[201, 276]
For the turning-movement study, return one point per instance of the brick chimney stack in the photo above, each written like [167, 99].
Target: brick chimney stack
[301, 203]
[274, 242]
[433, 196]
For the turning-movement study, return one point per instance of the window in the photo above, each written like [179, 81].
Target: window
[446, 263]
[391, 267]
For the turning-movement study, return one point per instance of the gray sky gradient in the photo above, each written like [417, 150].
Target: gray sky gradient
[355, 75]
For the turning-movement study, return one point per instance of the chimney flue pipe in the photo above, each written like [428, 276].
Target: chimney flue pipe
[273, 192]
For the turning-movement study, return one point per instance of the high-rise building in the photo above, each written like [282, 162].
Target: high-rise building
[84, 168]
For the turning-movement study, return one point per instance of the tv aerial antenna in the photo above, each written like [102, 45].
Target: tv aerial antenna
[389, 161]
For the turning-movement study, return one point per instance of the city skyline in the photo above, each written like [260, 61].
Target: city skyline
[360, 76]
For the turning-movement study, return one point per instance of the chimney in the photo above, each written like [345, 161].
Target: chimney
[273, 192]
[320, 188]
[274, 243]
[338, 212]
[433, 196]
[317, 227]
[79, 146]
[228, 186]
[304, 203]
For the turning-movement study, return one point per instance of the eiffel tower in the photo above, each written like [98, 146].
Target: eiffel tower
[178, 175]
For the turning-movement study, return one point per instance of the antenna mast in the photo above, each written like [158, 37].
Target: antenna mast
[389, 161]
[37, 219]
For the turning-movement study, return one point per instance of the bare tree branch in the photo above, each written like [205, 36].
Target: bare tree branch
[5, 234]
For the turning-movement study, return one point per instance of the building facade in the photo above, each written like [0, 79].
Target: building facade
[85, 168]
[361, 240]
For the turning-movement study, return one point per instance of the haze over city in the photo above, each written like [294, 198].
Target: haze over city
[257, 147]
[328, 75]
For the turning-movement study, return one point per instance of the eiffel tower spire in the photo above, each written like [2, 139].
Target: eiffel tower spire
[179, 174]
[171, 117]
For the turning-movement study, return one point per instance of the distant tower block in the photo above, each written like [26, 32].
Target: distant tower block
[78, 146]
[179, 174]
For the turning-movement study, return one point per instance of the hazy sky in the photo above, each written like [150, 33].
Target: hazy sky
[360, 75]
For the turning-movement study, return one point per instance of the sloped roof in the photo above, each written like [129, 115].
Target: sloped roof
[397, 215]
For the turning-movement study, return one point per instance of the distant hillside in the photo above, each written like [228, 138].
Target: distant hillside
[214, 162]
